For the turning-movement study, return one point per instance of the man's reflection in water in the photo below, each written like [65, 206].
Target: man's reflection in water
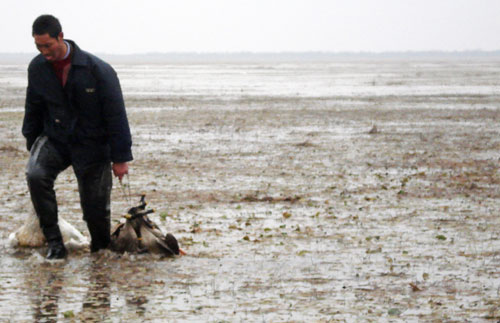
[97, 303]
[139, 302]
[50, 282]
[46, 285]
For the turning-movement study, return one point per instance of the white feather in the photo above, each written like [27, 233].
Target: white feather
[30, 234]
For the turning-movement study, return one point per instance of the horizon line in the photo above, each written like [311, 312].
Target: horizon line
[260, 57]
[303, 52]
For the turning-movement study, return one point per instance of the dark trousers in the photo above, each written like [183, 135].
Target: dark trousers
[94, 184]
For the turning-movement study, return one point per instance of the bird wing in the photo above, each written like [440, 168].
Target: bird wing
[155, 243]
[124, 238]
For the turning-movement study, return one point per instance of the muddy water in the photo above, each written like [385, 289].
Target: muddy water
[289, 207]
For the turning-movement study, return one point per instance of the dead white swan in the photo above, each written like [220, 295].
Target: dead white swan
[30, 234]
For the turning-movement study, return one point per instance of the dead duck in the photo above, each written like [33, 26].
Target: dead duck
[30, 234]
[140, 235]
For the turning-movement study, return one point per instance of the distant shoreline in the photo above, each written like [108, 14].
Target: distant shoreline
[248, 57]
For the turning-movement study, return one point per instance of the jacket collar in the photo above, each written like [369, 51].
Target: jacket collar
[79, 57]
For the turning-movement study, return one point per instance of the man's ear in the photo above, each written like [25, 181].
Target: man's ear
[60, 37]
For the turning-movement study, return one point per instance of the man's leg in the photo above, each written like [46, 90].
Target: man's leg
[94, 184]
[44, 165]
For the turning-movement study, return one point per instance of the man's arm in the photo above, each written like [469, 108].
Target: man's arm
[113, 109]
[33, 115]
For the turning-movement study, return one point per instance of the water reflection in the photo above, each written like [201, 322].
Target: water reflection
[139, 303]
[45, 303]
[97, 303]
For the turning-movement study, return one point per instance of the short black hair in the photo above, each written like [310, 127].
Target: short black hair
[46, 24]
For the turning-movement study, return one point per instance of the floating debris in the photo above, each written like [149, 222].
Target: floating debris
[253, 198]
[373, 130]
[306, 144]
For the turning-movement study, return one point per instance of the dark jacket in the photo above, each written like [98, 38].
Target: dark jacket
[87, 116]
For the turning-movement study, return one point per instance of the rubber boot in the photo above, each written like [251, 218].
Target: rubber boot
[94, 184]
[45, 163]
[56, 250]
[99, 230]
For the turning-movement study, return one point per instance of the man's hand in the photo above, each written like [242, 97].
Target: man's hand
[120, 169]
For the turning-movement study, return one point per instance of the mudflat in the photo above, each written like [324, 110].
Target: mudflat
[323, 191]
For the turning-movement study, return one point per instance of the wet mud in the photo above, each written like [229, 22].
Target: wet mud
[318, 192]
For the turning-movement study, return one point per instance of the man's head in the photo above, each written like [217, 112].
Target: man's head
[49, 38]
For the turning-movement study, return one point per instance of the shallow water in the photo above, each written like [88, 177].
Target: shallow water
[289, 209]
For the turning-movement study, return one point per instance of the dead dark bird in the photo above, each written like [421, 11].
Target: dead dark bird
[139, 234]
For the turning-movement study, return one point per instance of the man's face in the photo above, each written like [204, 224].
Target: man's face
[52, 49]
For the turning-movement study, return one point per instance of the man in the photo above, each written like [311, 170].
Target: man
[74, 115]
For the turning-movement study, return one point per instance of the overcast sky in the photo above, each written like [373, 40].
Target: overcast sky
[125, 27]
